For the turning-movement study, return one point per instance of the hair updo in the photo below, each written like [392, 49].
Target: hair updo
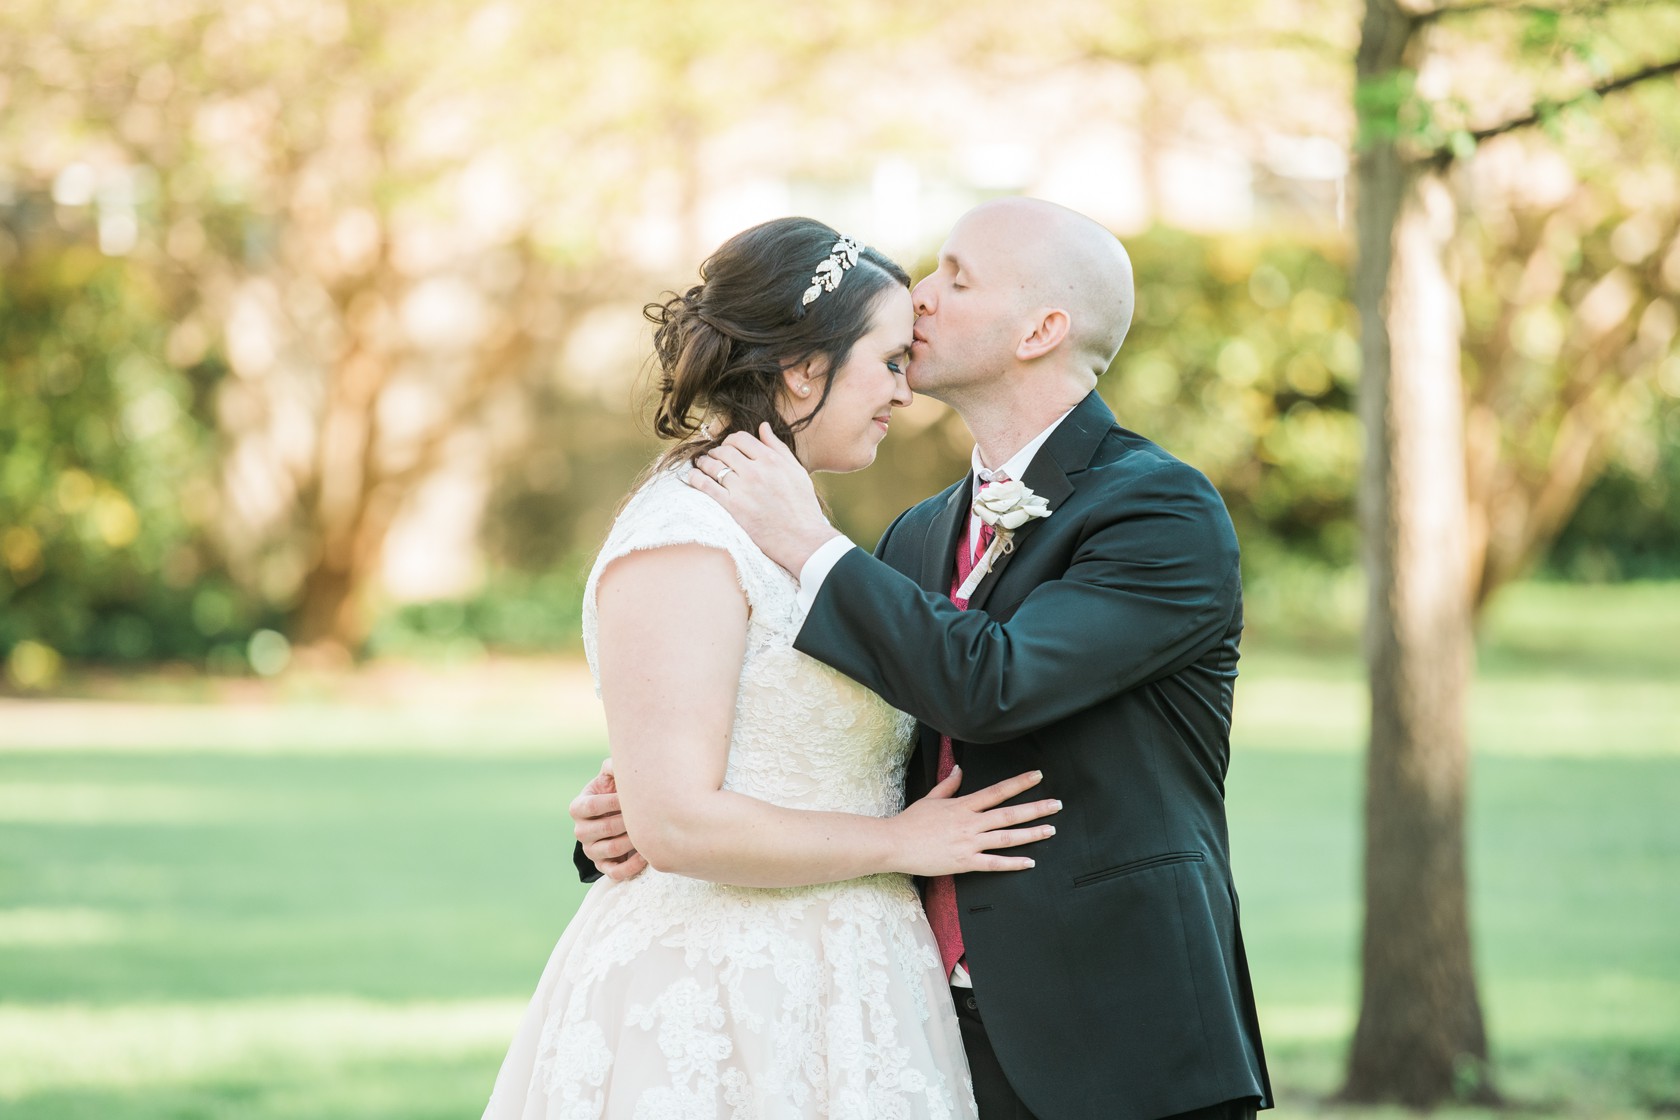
[723, 344]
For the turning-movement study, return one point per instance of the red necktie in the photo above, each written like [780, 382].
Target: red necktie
[941, 895]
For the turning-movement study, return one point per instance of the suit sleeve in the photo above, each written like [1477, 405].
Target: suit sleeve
[586, 869]
[1153, 583]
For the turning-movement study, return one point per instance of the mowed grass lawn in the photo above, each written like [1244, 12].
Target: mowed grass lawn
[330, 909]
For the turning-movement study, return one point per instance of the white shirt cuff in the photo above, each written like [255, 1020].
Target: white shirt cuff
[816, 570]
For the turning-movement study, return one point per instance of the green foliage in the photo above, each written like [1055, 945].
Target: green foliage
[1390, 110]
[107, 473]
[1628, 525]
[1532, 65]
[1243, 360]
[1541, 29]
[515, 612]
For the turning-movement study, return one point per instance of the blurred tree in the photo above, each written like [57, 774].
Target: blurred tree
[1571, 315]
[397, 244]
[387, 216]
[1420, 1037]
[1242, 359]
[105, 461]
[1628, 524]
[264, 166]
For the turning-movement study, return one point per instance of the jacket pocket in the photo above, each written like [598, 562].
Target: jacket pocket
[1144, 864]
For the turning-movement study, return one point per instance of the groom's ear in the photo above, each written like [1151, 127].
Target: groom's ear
[1048, 331]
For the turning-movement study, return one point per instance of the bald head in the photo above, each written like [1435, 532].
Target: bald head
[1059, 258]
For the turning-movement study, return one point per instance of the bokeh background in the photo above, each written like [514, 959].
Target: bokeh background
[322, 370]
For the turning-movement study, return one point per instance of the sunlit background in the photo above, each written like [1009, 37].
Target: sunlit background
[323, 369]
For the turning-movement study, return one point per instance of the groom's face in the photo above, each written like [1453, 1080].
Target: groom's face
[966, 309]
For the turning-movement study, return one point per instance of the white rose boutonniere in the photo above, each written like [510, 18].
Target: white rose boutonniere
[1005, 506]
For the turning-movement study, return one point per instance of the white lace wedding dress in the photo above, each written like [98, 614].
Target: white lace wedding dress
[670, 998]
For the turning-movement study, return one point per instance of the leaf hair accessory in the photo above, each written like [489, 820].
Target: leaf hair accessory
[842, 257]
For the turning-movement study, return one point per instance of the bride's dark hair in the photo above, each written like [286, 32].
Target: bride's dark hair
[723, 344]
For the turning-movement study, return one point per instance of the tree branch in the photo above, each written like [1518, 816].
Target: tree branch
[1534, 116]
[1451, 10]
[1443, 157]
[1518, 7]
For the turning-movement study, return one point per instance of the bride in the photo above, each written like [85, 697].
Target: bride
[774, 960]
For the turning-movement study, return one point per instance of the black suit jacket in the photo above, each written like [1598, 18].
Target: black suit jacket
[1103, 651]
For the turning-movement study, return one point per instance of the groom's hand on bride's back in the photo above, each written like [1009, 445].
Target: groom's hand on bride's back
[950, 834]
[598, 824]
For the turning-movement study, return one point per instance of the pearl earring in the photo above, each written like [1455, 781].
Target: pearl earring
[804, 390]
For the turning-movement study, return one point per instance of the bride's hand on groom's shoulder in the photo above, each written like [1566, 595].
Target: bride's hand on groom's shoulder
[598, 824]
[943, 834]
[768, 492]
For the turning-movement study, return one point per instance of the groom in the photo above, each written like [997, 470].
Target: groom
[1100, 647]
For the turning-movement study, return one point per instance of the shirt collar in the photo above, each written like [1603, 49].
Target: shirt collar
[1018, 462]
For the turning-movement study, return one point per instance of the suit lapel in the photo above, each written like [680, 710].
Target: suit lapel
[1067, 452]
[939, 550]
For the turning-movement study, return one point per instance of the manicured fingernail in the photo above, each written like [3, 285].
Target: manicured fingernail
[1058, 805]
[1032, 863]
[1049, 830]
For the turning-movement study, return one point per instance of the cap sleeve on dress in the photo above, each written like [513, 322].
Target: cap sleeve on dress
[665, 512]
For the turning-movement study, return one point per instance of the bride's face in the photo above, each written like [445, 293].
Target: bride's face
[844, 434]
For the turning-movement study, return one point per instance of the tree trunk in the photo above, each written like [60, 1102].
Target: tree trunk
[343, 506]
[1420, 1038]
[358, 493]
[327, 623]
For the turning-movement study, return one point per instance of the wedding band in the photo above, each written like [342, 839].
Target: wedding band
[720, 474]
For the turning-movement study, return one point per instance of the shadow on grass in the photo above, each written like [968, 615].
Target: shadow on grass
[1554, 1084]
[1606, 1080]
[443, 1089]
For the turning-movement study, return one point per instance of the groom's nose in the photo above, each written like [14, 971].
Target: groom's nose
[922, 297]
